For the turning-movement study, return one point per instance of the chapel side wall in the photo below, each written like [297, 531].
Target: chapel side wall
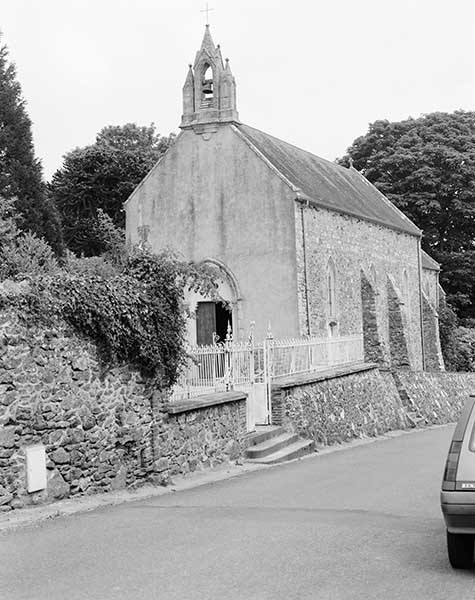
[354, 246]
[215, 198]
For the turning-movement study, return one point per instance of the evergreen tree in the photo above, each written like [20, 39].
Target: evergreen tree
[20, 171]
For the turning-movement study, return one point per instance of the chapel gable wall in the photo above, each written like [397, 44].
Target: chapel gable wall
[213, 197]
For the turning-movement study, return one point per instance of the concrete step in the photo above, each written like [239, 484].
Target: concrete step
[263, 433]
[294, 450]
[271, 445]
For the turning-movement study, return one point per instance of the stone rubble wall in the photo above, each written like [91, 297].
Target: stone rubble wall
[105, 430]
[354, 245]
[435, 397]
[338, 408]
[374, 347]
[102, 430]
[398, 346]
[198, 438]
[433, 359]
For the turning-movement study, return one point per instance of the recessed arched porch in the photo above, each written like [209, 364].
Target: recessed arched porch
[215, 316]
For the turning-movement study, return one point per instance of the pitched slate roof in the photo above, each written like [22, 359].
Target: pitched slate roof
[428, 262]
[328, 184]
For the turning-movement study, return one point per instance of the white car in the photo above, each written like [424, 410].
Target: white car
[458, 490]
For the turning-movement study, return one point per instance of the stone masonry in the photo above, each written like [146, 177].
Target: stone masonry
[355, 246]
[336, 406]
[433, 360]
[102, 430]
[398, 345]
[374, 349]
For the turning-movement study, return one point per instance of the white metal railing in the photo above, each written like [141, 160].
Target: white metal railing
[302, 355]
[221, 367]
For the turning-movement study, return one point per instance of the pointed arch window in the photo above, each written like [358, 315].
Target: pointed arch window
[331, 289]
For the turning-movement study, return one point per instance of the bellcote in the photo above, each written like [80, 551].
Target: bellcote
[209, 92]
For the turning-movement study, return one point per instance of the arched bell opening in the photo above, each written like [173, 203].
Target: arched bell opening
[207, 85]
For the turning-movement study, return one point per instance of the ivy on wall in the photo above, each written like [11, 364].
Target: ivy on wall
[129, 303]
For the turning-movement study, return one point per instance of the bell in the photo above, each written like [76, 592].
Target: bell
[208, 86]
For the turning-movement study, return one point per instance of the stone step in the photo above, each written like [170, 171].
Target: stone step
[263, 433]
[271, 445]
[414, 418]
[295, 450]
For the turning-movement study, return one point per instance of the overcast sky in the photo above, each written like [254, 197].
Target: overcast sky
[311, 72]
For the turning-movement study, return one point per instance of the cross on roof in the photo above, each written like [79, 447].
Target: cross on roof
[207, 10]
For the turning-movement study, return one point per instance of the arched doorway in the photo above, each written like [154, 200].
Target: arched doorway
[213, 316]
[213, 319]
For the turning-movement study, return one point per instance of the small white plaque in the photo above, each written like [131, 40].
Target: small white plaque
[35, 468]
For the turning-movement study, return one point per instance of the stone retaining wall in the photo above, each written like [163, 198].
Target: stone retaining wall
[337, 406]
[435, 397]
[104, 430]
[101, 430]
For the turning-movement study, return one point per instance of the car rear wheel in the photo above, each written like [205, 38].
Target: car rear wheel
[460, 549]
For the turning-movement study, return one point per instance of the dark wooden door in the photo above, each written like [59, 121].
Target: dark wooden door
[205, 323]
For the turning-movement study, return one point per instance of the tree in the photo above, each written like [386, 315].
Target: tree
[20, 172]
[102, 176]
[22, 253]
[426, 167]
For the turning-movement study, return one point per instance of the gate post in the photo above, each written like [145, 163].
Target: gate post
[268, 371]
[251, 366]
[228, 375]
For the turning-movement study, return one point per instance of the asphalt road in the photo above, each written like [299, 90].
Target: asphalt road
[361, 523]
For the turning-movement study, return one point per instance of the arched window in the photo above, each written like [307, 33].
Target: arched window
[331, 294]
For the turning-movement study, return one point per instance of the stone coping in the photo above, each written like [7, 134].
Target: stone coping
[315, 376]
[175, 408]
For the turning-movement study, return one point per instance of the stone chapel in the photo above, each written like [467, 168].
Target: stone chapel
[304, 244]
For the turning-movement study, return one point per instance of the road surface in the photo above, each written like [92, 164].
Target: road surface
[362, 523]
